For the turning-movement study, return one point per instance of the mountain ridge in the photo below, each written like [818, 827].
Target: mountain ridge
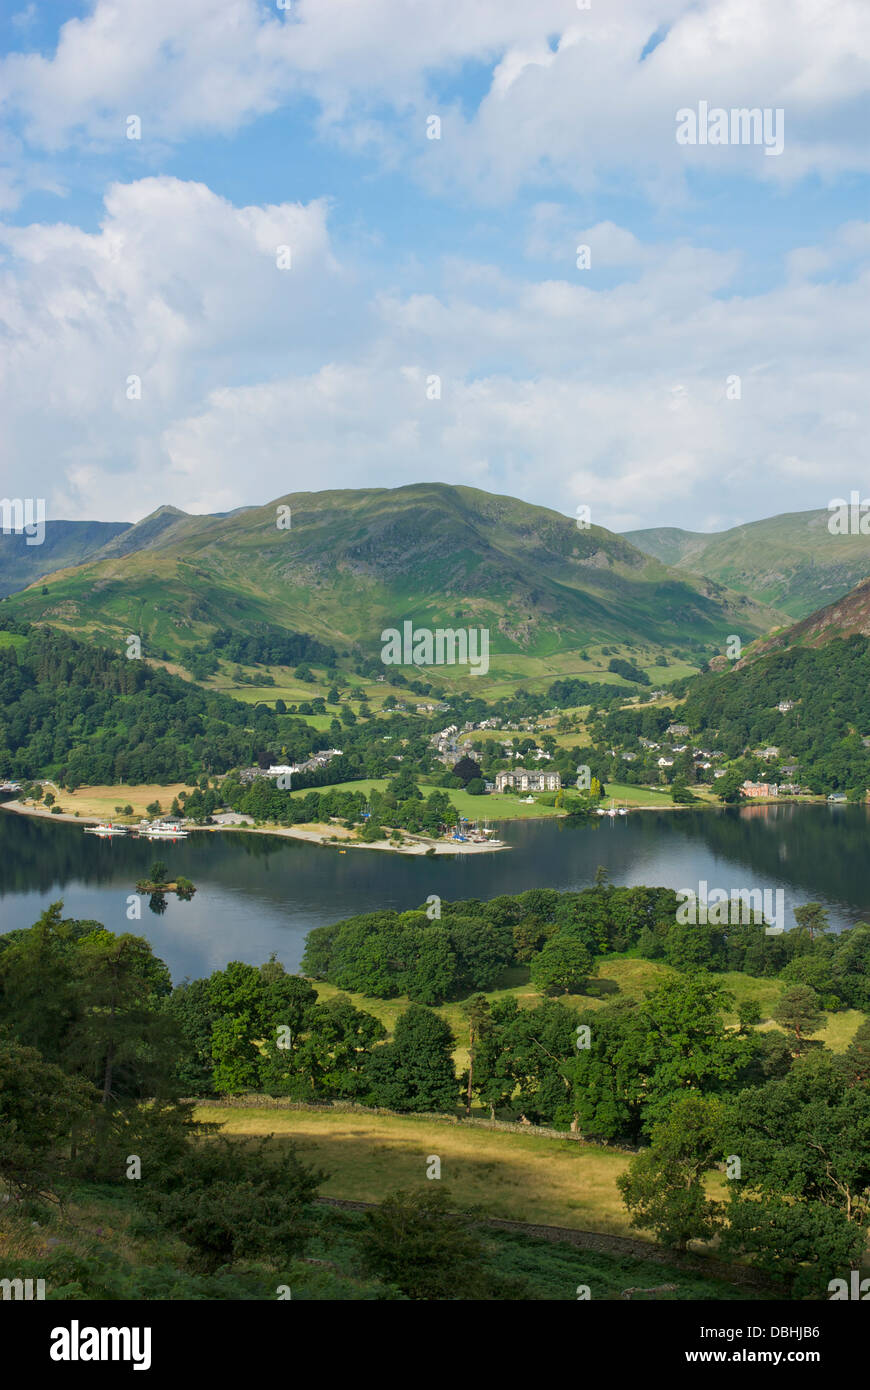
[790, 561]
[355, 561]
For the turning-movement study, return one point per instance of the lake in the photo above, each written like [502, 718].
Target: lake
[257, 894]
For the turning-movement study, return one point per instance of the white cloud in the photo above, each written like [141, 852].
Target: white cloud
[574, 108]
[258, 381]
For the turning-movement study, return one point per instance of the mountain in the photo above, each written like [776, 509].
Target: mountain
[790, 561]
[846, 617]
[355, 562]
[65, 543]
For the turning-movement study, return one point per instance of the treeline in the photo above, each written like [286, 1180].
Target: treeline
[264, 800]
[265, 645]
[824, 733]
[628, 670]
[560, 935]
[86, 715]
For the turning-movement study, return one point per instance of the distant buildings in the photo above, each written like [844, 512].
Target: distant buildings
[523, 779]
[249, 774]
[759, 789]
[681, 730]
[785, 705]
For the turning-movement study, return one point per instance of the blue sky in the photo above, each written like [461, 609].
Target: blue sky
[416, 258]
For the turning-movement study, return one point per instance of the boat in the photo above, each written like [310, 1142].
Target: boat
[105, 828]
[164, 830]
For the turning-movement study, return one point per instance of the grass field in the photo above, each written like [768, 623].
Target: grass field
[516, 1176]
[102, 800]
[626, 795]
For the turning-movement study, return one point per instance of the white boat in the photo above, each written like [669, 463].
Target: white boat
[163, 830]
[105, 828]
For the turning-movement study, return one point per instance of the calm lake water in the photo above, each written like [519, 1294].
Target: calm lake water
[257, 894]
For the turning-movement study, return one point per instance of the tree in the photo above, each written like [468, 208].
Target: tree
[812, 917]
[477, 1011]
[329, 1055]
[664, 1186]
[158, 872]
[250, 1006]
[806, 1136]
[42, 1111]
[122, 1038]
[229, 1200]
[730, 787]
[37, 992]
[804, 1243]
[562, 966]
[855, 1061]
[466, 770]
[797, 1010]
[680, 791]
[415, 1071]
[191, 1006]
[412, 1242]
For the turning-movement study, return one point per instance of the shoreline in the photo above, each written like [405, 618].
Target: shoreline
[329, 838]
[415, 845]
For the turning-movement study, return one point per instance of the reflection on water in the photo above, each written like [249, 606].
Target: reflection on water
[257, 894]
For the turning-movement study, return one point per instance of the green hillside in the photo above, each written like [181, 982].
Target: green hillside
[65, 543]
[791, 561]
[355, 562]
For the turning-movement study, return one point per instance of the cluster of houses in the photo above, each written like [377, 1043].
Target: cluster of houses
[448, 749]
[316, 760]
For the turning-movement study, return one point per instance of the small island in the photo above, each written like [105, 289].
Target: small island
[158, 882]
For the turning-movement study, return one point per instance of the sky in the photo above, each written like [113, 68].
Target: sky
[253, 249]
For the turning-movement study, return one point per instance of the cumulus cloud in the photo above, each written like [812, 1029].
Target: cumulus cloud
[569, 97]
[256, 381]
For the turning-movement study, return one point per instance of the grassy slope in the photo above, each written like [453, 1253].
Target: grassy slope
[356, 562]
[101, 1223]
[790, 561]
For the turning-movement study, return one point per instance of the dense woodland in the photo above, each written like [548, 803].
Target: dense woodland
[830, 686]
[92, 1019]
